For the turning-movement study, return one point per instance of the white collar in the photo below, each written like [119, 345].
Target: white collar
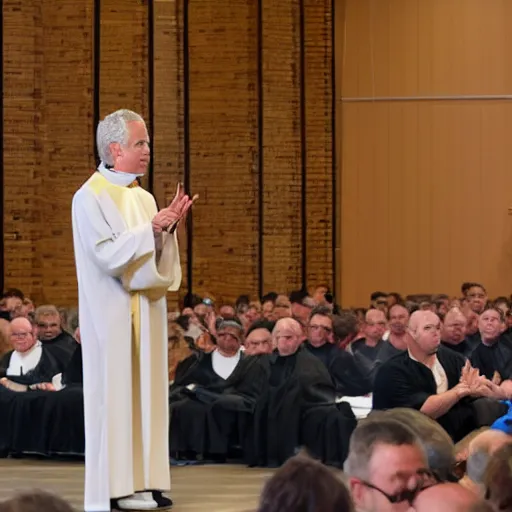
[123, 179]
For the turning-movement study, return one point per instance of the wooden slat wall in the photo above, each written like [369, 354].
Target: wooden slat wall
[223, 142]
[167, 147]
[425, 184]
[123, 56]
[282, 190]
[318, 83]
[47, 143]
[49, 148]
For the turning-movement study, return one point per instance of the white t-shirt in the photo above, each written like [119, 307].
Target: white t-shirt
[438, 373]
[224, 366]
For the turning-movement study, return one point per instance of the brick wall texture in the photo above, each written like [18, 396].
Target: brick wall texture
[48, 52]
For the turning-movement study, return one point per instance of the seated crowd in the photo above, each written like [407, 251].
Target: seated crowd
[384, 393]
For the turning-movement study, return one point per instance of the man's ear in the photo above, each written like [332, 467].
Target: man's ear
[356, 489]
[115, 150]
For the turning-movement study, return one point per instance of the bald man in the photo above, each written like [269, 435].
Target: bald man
[480, 450]
[453, 332]
[436, 381]
[30, 362]
[446, 497]
[299, 408]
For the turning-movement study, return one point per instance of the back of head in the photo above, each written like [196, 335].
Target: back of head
[498, 478]
[344, 325]
[448, 497]
[481, 449]
[436, 442]
[304, 485]
[370, 432]
[36, 501]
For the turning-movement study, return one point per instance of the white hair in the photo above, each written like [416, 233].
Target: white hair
[114, 129]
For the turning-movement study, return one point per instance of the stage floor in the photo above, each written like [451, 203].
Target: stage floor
[219, 488]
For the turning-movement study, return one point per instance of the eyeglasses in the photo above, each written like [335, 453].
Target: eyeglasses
[425, 479]
[43, 325]
[21, 335]
[326, 329]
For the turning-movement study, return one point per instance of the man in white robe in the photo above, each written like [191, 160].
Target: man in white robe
[127, 259]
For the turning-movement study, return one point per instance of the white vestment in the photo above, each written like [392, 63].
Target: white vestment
[123, 273]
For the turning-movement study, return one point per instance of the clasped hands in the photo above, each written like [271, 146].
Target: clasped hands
[471, 383]
[169, 217]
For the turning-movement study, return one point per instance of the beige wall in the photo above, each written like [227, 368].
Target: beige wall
[425, 184]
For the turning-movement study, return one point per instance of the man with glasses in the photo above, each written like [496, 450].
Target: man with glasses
[351, 376]
[30, 362]
[386, 466]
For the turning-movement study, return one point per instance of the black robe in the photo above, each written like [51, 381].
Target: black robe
[299, 409]
[403, 382]
[46, 368]
[46, 423]
[352, 376]
[496, 357]
[212, 417]
[62, 347]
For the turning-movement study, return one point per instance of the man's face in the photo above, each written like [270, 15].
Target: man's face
[320, 330]
[428, 333]
[286, 340]
[490, 324]
[453, 329]
[48, 327]
[398, 319]
[227, 312]
[477, 298]
[319, 295]
[392, 469]
[259, 341]
[13, 303]
[381, 303]
[228, 340]
[133, 157]
[268, 310]
[22, 337]
[375, 324]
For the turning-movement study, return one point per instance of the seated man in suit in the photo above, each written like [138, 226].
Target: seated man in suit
[437, 381]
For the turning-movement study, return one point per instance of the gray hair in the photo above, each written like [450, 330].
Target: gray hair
[371, 432]
[46, 310]
[114, 129]
[436, 442]
[477, 464]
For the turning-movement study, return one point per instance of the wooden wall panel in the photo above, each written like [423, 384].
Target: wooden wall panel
[47, 146]
[167, 147]
[426, 197]
[282, 190]
[318, 94]
[124, 57]
[424, 48]
[49, 108]
[223, 143]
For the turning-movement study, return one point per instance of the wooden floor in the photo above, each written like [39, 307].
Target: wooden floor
[216, 488]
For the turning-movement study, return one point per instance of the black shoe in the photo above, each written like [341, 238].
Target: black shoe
[161, 500]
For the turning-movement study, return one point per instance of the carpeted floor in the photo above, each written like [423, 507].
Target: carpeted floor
[216, 488]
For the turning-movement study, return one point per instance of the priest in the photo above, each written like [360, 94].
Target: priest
[127, 258]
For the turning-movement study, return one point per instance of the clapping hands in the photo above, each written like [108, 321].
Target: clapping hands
[471, 383]
[167, 218]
